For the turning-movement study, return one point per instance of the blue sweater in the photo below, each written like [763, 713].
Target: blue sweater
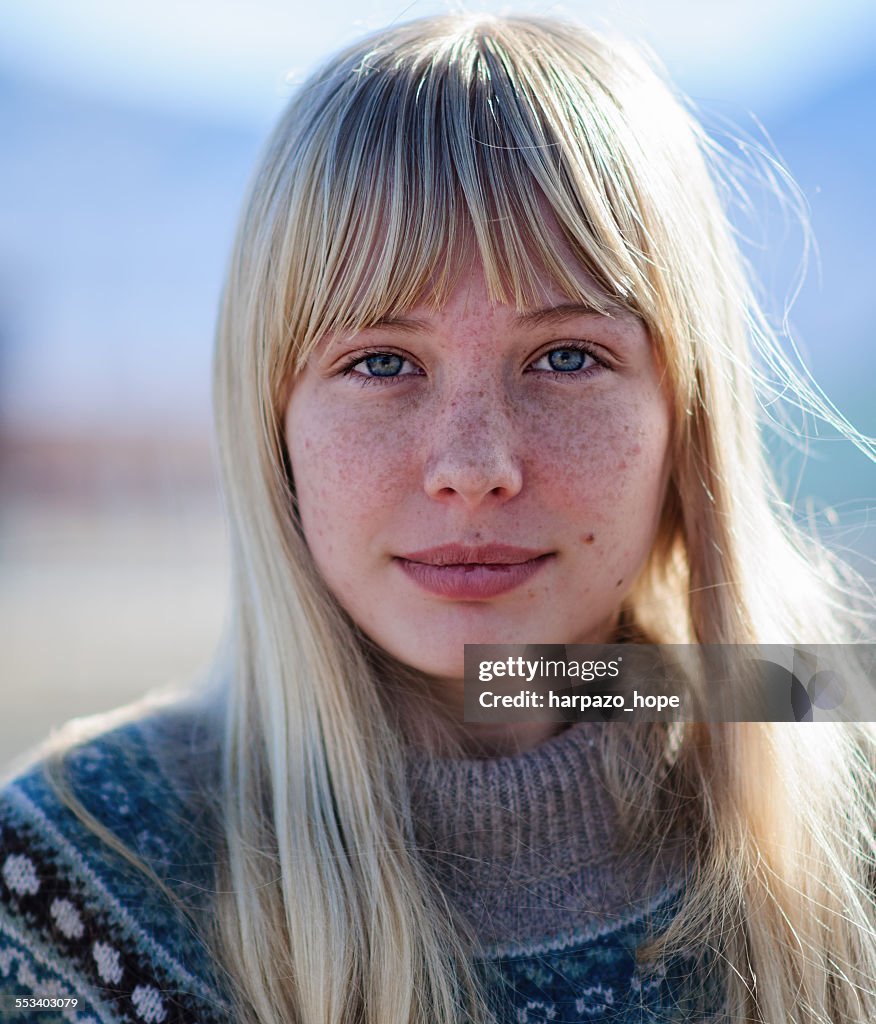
[78, 922]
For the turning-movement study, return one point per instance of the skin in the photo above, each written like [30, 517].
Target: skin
[477, 439]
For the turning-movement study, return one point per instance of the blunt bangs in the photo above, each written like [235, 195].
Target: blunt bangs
[408, 159]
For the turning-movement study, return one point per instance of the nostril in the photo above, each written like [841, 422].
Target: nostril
[497, 477]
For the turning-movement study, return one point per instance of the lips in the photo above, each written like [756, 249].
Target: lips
[463, 572]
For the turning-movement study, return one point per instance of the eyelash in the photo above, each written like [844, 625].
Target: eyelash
[364, 380]
[578, 346]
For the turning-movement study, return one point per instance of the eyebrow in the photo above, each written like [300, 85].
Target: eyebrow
[566, 311]
[408, 324]
[533, 318]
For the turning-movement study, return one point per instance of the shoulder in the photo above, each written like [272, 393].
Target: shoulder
[78, 920]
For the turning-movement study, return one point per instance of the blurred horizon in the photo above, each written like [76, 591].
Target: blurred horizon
[130, 134]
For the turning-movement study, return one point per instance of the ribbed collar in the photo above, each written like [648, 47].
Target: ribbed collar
[525, 846]
[511, 812]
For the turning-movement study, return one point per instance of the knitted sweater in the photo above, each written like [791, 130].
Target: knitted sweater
[522, 847]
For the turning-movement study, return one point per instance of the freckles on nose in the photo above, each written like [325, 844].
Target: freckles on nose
[477, 409]
[475, 421]
[470, 446]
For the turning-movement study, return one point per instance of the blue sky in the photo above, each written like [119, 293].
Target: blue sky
[235, 60]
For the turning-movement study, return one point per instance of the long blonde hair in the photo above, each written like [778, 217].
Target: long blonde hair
[391, 163]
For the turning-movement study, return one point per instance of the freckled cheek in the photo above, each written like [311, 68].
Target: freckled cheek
[598, 459]
[577, 459]
[346, 473]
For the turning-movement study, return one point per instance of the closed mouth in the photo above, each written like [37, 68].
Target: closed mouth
[482, 555]
[472, 574]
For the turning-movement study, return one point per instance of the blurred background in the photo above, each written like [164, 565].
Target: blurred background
[128, 134]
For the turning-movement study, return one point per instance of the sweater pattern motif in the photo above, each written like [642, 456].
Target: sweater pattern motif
[85, 933]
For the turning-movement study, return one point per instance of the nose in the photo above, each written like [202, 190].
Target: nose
[473, 454]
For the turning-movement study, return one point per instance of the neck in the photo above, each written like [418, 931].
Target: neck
[429, 714]
[429, 710]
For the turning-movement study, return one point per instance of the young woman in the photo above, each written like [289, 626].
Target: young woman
[485, 373]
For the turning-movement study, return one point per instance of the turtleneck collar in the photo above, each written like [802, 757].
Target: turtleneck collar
[529, 840]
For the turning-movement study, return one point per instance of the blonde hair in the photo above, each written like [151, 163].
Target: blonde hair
[394, 161]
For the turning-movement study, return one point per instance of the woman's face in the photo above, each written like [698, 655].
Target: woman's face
[478, 475]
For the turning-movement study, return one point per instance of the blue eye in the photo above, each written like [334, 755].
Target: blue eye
[381, 368]
[566, 359]
[385, 364]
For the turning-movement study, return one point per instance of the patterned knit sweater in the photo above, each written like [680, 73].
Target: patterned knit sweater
[522, 847]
